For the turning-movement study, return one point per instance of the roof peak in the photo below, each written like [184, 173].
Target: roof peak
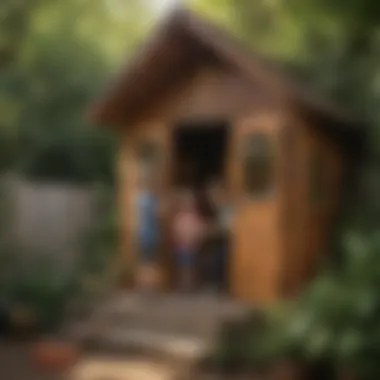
[230, 49]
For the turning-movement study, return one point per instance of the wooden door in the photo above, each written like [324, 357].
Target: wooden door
[254, 184]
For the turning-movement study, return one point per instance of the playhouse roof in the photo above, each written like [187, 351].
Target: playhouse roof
[178, 43]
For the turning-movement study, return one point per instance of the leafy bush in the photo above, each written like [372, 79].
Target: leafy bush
[100, 245]
[41, 289]
[45, 293]
[335, 322]
[237, 345]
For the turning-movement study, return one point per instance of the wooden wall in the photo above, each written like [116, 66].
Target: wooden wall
[277, 242]
[217, 93]
[127, 186]
[257, 241]
[305, 221]
[211, 92]
[129, 182]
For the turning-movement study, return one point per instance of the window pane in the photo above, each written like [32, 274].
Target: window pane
[258, 165]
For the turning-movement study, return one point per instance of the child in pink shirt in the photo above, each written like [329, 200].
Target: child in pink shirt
[188, 230]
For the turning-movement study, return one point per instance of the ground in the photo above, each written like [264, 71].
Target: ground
[16, 364]
[134, 338]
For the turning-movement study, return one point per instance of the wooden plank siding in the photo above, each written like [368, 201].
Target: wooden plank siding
[277, 242]
[305, 223]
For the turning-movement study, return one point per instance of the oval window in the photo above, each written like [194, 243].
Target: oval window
[258, 165]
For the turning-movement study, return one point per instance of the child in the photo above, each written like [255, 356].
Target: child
[188, 230]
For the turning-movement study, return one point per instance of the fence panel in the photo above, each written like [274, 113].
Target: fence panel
[49, 219]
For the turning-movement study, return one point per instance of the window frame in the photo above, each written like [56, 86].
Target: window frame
[266, 191]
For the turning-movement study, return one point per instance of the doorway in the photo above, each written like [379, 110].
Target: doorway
[200, 152]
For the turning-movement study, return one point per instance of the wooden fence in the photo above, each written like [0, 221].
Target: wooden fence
[47, 219]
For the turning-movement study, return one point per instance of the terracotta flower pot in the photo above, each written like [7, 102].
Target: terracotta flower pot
[51, 356]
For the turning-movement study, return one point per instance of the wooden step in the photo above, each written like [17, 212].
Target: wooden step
[196, 316]
[197, 324]
[171, 307]
[178, 304]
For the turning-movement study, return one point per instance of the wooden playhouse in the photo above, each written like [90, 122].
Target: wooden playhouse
[192, 94]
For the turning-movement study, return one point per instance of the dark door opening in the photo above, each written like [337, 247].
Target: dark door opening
[200, 157]
[200, 151]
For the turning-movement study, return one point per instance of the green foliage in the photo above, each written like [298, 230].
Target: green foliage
[15, 21]
[40, 288]
[335, 321]
[335, 44]
[64, 59]
[50, 96]
[337, 318]
[99, 267]
[101, 243]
